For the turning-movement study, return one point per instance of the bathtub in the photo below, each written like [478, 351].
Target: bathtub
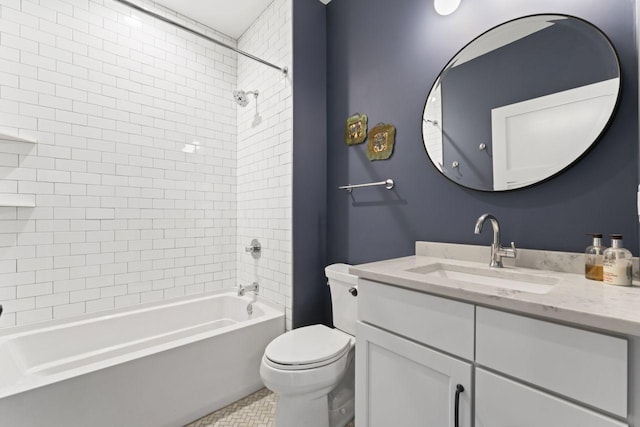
[158, 364]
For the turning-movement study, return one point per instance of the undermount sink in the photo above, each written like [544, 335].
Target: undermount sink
[503, 278]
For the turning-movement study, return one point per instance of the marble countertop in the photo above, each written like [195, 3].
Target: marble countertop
[573, 299]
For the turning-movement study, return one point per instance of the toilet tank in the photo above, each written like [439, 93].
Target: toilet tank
[344, 304]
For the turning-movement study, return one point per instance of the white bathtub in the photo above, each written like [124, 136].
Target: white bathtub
[159, 364]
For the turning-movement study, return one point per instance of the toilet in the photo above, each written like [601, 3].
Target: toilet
[312, 368]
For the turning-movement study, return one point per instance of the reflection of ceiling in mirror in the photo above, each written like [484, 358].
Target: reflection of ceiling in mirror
[496, 39]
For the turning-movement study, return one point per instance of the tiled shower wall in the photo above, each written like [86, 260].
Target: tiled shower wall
[265, 148]
[134, 172]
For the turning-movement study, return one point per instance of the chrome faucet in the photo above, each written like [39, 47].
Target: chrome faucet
[252, 287]
[497, 250]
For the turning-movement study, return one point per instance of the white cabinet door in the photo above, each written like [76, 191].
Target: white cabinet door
[504, 403]
[400, 383]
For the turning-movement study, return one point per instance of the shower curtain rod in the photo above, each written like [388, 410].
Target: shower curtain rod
[284, 70]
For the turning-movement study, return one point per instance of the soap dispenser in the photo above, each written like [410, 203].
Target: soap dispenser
[617, 261]
[593, 257]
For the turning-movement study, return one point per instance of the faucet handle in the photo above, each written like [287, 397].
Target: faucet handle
[507, 252]
[511, 252]
[254, 249]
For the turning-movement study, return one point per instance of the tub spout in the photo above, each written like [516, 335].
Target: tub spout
[252, 287]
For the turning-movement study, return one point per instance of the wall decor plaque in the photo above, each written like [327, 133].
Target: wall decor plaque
[356, 129]
[381, 140]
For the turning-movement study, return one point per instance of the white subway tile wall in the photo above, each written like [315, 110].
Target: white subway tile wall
[125, 212]
[265, 153]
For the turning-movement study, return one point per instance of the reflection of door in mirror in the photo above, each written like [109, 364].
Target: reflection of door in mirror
[541, 75]
[532, 138]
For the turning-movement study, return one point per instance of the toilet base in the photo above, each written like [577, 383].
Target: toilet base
[324, 408]
[295, 412]
[341, 405]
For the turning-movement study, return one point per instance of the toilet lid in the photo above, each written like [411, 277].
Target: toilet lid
[308, 346]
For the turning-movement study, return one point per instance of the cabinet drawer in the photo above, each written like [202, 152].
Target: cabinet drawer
[504, 403]
[586, 366]
[438, 322]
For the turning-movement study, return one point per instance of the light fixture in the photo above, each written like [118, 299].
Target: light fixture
[446, 7]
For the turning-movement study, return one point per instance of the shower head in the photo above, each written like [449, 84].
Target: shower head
[240, 96]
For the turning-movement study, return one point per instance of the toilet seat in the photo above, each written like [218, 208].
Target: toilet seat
[306, 348]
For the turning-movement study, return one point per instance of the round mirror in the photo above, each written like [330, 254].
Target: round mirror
[521, 102]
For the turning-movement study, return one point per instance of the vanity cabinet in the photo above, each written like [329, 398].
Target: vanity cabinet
[413, 349]
[407, 372]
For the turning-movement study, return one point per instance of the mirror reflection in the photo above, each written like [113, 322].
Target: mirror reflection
[521, 102]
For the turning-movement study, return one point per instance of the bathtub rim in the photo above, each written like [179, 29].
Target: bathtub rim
[80, 318]
[272, 312]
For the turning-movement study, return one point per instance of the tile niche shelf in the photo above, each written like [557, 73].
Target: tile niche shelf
[17, 200]
[5, 136]
[11, 199]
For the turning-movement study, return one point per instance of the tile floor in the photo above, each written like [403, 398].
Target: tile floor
[255, 410]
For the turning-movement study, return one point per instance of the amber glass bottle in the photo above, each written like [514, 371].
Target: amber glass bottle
[593, 258]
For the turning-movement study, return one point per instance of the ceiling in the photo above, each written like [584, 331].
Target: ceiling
[227, 16]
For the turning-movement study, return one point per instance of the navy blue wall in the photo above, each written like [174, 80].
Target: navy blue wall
[382, 58]
[311, 303]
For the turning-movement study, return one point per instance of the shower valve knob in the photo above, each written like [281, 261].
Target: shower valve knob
[254, 249]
